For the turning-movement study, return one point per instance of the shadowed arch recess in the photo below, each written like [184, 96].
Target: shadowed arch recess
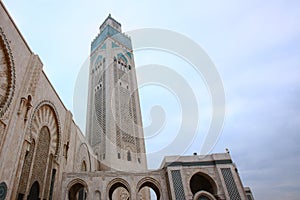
[202, 182]
[117, 183]
[151, 183]
[75, 186]
[34, 191]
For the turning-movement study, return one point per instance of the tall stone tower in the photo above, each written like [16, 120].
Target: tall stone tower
[114, 122]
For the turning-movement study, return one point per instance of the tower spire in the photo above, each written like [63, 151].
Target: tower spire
[109, 21]
[114, 122]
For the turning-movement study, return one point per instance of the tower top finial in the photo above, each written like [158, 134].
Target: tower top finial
[111, 22]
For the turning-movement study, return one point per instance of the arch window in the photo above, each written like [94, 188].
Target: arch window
[129, 156]
[83, 166]
[204, 184]
[122, 64]
[97, 195]
[34, 191]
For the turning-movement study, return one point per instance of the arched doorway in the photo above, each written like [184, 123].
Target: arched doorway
[202, 182]
[77, 192]
[34, 191]
[39, 160]
[147, 187]
[119, 190]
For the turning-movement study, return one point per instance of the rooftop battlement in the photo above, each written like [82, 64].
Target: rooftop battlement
[196, 160]
[111, 28]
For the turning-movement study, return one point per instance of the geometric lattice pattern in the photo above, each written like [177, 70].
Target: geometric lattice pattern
[97, 123]
[230, 184]
[177, 183]
[125, 110]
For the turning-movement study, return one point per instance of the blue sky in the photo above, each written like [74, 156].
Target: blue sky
[253, 44]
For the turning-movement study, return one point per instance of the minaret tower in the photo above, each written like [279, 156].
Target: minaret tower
[114, 122]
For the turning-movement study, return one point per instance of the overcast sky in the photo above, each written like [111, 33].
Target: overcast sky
[255, 46]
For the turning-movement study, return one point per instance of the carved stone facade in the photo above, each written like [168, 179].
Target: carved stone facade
[213, 177]
[38, 138]
[7, 74]
[44, 155]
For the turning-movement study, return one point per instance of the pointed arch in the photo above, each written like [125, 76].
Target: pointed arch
[97, 195]
[83, 155]
[44, 128]
[129, 158]
[151, 183]
[200, 181]
[45, 114]
[77, 187]
[115, 184]
[121, 56]
[34, 192]
[83, 166]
